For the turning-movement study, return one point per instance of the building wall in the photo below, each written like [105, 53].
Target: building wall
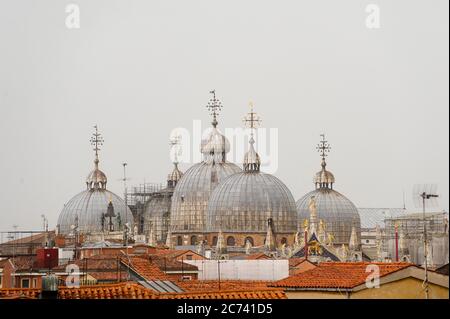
[408, 288]
[239, 238]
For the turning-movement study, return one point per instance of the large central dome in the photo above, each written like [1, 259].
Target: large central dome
[192, 192]
[245, 202]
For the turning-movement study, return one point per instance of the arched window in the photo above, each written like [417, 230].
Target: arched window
[250, 239]
[179, 241]
[214, 241]
[231, 241]
[284, 241]
[194, 240]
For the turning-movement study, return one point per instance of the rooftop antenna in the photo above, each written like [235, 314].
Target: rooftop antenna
[44, 222]
[425, 194]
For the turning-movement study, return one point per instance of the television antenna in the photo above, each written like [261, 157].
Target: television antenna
[425, 194]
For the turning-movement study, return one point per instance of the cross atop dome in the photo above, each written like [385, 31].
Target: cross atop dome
[252, 119]
[323, 147]
[96, 141]
[214, 106]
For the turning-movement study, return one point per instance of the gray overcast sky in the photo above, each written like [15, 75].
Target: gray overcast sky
[141, 68]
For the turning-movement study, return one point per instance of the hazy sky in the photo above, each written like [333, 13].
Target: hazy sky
[138, 69]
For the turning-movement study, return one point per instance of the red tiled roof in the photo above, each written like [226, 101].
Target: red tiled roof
[166, 263]
[213, 285]
[131, 290]
[127, 290]
[144, 267]
[266, 293]
[337, 275]
[13, 293]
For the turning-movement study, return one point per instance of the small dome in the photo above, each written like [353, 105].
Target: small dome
[157, 213]
[324, 178]
[214, 146]
[174, 176]
[245, 201]
[191, 195]
[96, 179]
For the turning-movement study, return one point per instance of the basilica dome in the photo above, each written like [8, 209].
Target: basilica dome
[157, 208]
[192, 192]
[336, 210]
[87, 210]
[245, 201]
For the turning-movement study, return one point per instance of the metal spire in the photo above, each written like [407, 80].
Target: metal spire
[252, 121]
[214, 106]
[96, 141]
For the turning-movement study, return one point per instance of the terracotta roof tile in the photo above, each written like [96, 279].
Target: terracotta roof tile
[336, 275]
[18, 293]
[213, 285]
[131, 290]
[229, 294]
[144, 267]
[127, 290]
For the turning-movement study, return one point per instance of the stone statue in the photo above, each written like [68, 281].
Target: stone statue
[248, 247]
[330, 239]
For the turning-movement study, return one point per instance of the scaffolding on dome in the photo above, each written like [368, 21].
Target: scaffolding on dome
[137, 197]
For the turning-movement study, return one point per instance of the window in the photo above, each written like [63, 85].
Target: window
[284, 240]
[25, 283]
[194, 240]
[179, 241]
[231, 241]
[214, 243]
[189, 257]
[35, 285]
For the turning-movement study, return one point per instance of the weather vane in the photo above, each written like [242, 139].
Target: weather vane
[214, 106]
[96, 140]
[323, 147]
[252, 120]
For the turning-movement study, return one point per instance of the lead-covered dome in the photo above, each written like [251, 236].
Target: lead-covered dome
[192, 192]
[246, 201]
[88, 210]
[336, 210]
[88, 207]
[191, 196]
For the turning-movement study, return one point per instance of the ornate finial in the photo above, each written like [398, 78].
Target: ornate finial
[323, 148]
[96, 141]
[251, 120]
[214, 106]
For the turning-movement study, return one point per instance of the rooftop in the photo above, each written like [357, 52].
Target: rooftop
[343, 275]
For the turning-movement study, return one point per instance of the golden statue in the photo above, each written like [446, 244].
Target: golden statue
[306, 224]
